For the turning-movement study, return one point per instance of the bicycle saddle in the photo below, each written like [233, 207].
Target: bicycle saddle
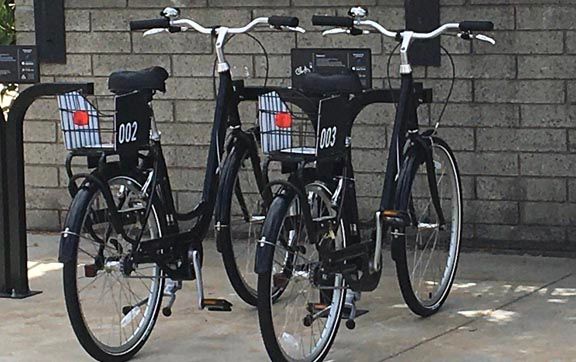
[327, 84]
[146, 79]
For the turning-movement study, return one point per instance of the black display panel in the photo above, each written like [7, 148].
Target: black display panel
[332, 61]
[18, 64]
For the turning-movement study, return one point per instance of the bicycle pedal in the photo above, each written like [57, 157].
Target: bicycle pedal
[217, 305]
[396, 218]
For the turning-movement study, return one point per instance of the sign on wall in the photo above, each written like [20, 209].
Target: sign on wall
[18, 64]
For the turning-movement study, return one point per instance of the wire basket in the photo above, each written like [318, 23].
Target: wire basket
[287, 130]
[123, 128]
[295, 127]
[84, 127]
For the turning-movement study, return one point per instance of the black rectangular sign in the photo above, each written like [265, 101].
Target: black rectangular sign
[332, 61]
[333, 123]
[132, 122]
[18, 64]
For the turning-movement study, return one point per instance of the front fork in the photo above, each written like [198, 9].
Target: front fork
[421, 149]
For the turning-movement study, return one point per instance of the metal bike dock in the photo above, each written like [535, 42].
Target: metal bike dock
[13, 240]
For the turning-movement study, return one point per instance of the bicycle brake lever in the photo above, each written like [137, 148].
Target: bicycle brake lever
[481, 37]
[296, 29]
[333, 31]
[344, 31]
[155, 31]
[485, 38]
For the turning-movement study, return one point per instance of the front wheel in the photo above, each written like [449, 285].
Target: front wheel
[302, 324]
[239, 215]
[112, 303]
[427, 252]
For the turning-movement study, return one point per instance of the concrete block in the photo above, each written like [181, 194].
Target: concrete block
[518, 188]
[548, 164]
[548, 213]
[520, 91]
[508, 139]
[100, 42]
[487, 163]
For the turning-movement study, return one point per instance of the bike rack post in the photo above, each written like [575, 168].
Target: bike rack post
[13, 240]
[4, 260]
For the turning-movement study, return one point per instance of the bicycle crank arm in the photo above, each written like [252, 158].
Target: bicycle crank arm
[213, 304]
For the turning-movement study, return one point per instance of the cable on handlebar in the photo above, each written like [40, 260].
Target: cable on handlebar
[263, 51]
[388, 73]
[451, 84]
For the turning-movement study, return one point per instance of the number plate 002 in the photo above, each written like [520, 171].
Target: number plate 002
[131, 122]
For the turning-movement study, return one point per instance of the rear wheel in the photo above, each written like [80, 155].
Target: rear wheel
[428, 252]
[302, 324]
[112, 303]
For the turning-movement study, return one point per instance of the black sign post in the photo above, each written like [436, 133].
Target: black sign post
[423, 16]
[4, 252]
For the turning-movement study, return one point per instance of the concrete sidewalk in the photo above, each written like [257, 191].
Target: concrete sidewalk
[501, 308]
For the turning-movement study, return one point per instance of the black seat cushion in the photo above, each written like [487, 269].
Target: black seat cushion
[326, 84]
[146, 79]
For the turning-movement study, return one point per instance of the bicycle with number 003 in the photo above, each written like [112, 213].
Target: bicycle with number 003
[311, 245]
[122, 241]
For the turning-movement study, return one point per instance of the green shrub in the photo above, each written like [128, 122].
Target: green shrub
[7, 30]
[7, 37]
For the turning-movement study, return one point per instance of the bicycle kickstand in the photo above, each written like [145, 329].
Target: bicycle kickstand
[170, 291]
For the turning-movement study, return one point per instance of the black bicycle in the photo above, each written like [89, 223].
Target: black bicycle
[314, 219]
[122, 240]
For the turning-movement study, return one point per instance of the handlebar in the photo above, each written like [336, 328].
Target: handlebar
[350, 23]
[162, 23]
[476, 26]
[288, 22]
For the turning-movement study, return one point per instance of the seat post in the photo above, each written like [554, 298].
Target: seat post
[154, 133]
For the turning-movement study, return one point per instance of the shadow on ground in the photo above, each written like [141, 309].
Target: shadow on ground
[501, 308]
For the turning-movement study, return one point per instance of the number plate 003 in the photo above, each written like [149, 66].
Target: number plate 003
[333, 125]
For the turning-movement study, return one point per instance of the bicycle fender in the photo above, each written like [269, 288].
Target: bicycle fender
[267, 243]
[68, 243]
[264, 255]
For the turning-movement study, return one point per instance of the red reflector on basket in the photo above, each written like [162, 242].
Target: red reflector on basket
[283, 120]
[81, 118]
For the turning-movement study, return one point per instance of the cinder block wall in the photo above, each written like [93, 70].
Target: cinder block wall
[511, 118]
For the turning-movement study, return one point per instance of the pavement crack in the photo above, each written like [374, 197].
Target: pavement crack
[474, 319]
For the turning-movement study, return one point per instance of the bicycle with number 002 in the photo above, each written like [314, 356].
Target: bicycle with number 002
[122, 241]
[311, 245]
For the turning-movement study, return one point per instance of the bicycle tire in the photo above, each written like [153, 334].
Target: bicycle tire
[74, 224]
[275, 220]
[406, 277]
[227, 195]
